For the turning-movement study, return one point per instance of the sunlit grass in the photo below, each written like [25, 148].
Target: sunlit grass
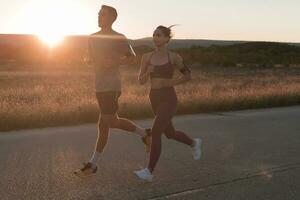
[50, 98]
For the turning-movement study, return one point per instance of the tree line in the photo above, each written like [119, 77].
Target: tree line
[264, 54]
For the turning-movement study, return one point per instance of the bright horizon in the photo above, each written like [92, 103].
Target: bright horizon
[199, 19]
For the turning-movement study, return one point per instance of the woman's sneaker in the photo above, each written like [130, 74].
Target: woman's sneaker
[196, 149]
[144, 174]
[86, 170]
[147, 139]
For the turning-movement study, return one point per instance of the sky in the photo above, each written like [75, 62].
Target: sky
[255, 20]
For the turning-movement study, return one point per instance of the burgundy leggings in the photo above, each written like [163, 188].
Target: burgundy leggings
[164, 103]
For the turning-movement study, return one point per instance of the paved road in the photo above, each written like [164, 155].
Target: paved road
[247, 155]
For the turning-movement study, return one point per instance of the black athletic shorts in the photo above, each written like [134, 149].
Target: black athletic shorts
[108, 102]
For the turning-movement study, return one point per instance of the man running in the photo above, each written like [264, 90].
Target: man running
[109, 49]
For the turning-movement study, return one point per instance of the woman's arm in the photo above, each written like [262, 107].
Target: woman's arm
[184, 70]
[144, 70]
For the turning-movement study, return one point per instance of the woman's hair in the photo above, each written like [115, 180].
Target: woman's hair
[166, 30]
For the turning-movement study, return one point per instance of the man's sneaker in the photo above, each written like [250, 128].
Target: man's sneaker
[144, 174]
[86, 170]
[147, 140]
[196, 149]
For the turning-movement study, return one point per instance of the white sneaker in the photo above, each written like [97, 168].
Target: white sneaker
[196, 149]
[144, 174]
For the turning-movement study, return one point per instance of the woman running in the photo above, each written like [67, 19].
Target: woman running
[159, 66]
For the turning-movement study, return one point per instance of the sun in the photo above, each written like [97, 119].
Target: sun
[51, 40]
[52, 20]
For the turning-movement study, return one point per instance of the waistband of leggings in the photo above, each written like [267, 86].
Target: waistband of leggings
[162, 89]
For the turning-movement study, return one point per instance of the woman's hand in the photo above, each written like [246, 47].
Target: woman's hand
[161, 82]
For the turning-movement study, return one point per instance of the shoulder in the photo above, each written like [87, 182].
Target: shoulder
[113, 34]
[94, 34]
[119, 35]
[175, 57]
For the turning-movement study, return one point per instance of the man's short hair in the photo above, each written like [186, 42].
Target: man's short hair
[112, 10]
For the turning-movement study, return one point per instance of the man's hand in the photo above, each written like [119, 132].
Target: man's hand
[127, 60]
[107, 62]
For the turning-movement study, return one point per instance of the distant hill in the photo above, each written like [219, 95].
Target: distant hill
[81, 40]
[29, 49]
[186, 43]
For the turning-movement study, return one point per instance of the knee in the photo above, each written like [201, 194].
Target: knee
[169, 136]
[114, 123]
[105, 120]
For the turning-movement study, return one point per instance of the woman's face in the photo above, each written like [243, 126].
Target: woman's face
[159, 38]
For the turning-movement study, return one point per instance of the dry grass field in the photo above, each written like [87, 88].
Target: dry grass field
[35, 99]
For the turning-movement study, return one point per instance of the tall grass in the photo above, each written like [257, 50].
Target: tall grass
[33, 99]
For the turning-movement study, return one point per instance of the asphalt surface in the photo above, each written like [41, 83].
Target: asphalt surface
[253, 154]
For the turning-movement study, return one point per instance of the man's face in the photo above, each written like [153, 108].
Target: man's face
[105, 18]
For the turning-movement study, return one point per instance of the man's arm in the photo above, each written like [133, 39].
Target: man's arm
[128, 53]
[88, 58]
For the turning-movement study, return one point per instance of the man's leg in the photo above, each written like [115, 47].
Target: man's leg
[106, 117]
[104, 124]
[128, 125]
[103, 134]
[108, 103]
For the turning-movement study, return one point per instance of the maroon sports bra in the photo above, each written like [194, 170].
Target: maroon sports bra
[162, 71]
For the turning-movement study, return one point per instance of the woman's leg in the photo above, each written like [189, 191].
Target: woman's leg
[161, 121]
[163, 116]
[179, 136]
